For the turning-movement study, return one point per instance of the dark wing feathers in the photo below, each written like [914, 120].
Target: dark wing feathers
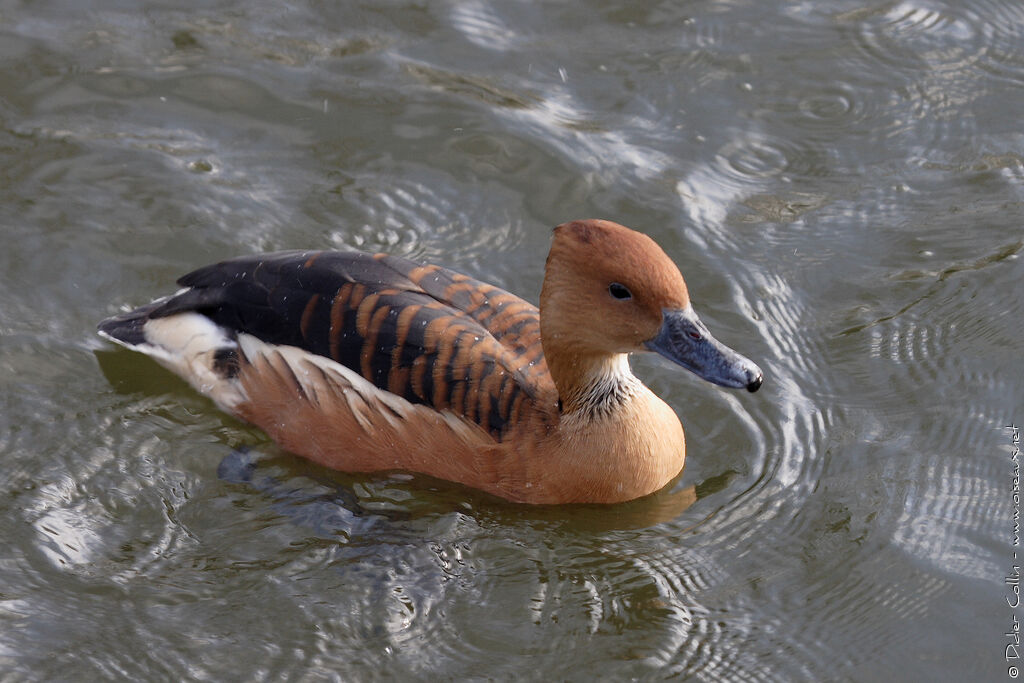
[516, 321]
[425, 333]
[128, 327]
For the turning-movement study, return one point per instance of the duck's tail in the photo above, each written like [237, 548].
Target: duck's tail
[188, 344]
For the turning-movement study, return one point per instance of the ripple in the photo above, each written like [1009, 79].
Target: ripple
[420, 213]
[757, 157]
[931, 331]
[548, 107]
[835, 105]
[623, 155]
[905, 36]
[750, 165]
[932, 342]
[951, 275]
[698, 642]
[707, 618]
[646, 603]
[949, 505]
[1003, 26]
[643, 601]
[483, 27]
[938, 55]
[682, 43]
[786, 429]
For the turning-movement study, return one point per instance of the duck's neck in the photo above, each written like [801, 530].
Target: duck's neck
[592, 386]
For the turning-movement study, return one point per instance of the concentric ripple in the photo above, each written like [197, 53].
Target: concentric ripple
[407, 216]
[905, 34]
[1002, 22]
[937, 53]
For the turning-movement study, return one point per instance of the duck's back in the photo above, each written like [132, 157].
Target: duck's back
[421, 332]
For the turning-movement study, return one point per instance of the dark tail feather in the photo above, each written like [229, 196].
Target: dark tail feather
[127, 327]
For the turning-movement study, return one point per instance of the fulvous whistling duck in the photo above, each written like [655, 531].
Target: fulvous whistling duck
[366, 362]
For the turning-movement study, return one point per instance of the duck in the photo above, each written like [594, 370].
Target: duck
[372, 362]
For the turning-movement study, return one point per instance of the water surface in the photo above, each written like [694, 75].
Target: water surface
[840, 183]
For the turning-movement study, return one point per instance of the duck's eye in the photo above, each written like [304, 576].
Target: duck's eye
[619, 291]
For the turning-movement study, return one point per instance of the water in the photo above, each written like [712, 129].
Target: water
[840, 182]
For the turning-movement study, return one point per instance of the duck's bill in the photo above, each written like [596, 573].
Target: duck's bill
[685, 340]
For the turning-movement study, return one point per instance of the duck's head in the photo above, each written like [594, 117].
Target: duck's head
[610, 290]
